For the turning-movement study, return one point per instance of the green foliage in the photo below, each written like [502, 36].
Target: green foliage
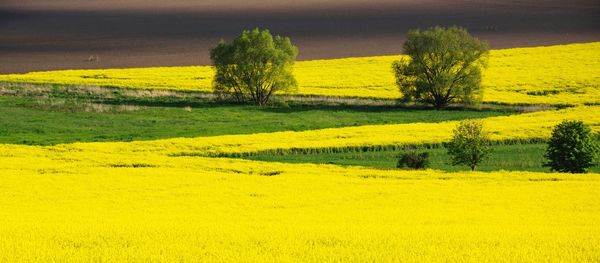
[469, 145]
[254, 66]
[571, 148]
[413, 160]
[444, 67]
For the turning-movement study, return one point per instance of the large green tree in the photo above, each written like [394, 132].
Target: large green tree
[254, 66]
[443, 67]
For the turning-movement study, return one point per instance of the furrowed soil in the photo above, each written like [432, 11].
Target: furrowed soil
[46, 35]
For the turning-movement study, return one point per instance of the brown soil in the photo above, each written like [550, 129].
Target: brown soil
[61, 34]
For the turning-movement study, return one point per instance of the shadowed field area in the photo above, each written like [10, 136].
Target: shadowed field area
[42, 35]
[509, 157]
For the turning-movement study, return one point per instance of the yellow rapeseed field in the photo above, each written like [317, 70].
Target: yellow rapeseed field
[135, 202]
[170, 201]
[62, 205]
[564, 74]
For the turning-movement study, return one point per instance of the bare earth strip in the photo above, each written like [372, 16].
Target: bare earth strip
[43, 35]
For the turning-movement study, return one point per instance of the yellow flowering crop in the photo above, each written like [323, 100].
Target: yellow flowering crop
[564, 74]
[168, 201]
[79, 205]
[135, 202]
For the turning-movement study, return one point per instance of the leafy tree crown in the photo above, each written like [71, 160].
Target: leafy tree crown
[443, 67]
[254, 66]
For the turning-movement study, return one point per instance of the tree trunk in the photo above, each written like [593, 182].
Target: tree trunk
[438, 105]
[439, 102]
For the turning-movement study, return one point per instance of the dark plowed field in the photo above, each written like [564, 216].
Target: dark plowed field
[43, 35]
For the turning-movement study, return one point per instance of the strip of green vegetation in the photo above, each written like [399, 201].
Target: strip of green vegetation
[522, 157]
[60, 119]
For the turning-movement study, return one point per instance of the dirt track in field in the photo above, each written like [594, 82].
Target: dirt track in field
[62, 34]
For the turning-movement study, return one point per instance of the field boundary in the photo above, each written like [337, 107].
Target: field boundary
[342, 149]
[111, 95]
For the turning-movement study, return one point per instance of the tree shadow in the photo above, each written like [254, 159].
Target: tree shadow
[384, 108]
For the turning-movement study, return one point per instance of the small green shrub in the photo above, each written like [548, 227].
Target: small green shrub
[470, 145]
[572, 148]
[413, 160]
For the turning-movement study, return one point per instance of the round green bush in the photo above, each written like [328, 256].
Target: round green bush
[572, 148]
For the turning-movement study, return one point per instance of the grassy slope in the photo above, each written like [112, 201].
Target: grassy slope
[32, 122]
[517, 157]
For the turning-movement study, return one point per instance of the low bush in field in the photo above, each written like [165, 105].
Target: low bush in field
[413, 160]
[571, 148]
